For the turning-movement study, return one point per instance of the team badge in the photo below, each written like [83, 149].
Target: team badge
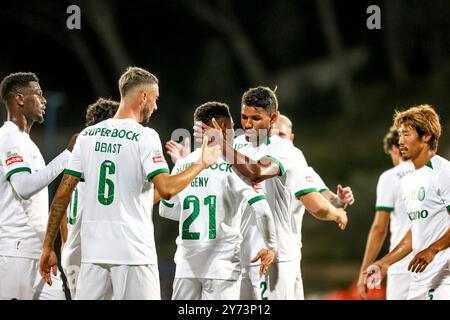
[421, 195]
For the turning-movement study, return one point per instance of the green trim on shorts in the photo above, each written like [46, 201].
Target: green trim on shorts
[150, 176]
[323, 190]
[24, 169]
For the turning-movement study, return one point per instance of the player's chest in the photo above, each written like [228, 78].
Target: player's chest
[420, 197]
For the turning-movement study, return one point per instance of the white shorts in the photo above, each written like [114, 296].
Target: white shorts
[278, 284]
[398, 286]
[71, 264]
[298, 291]
[121, 282]
[253, 287]
[441, 292]
[20, 279]
[205, 289]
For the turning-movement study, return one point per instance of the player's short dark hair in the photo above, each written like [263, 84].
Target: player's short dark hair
[100, 110]
[134, 77]
[12, 83]
[391, 139]
[261, 97]
[212, 109]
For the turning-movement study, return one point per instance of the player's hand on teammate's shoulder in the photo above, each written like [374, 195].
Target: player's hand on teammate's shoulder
[267, 256]
[341, 218]
[72, 142]
[345, 195]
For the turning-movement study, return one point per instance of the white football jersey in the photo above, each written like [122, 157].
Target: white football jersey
[22, 222]
[208, 245]
[426, 193]
[280, 195]
[389, 199]
[118, 158]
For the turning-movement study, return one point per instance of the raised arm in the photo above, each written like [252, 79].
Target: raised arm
[321, 209]
[168, 186]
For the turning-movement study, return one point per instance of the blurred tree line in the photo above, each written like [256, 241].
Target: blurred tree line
[338, 81]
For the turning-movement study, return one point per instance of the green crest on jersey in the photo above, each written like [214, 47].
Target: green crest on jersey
[422, 194]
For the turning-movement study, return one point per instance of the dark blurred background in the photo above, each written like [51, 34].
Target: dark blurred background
[337, 80]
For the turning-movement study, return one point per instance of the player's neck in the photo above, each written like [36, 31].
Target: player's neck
[20, 121]
[127, 112]
[423, 158]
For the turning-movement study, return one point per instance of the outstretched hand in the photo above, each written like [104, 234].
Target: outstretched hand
[210, 154]
[345, 195]
[178, 151]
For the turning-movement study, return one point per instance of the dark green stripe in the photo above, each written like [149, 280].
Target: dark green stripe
[8, 176]
[303, 192]
[323, 190]
[256, 199]
[387, 209]
[448, 208]
[167, 204]
[282, 171]
[72, 173]
[156, 172]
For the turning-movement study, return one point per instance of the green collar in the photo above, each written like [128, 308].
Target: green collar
[429, 164]
[267, 142]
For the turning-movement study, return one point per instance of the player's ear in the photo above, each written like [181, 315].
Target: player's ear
[274, 117]
[20, 99]
[426, 138]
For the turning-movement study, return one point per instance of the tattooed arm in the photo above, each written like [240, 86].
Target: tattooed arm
[57, 211]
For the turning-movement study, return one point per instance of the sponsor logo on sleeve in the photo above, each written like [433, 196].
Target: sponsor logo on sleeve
[159, 159]
[13, 157]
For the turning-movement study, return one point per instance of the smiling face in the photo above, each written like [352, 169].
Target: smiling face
[32, 102]
[411, 144]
